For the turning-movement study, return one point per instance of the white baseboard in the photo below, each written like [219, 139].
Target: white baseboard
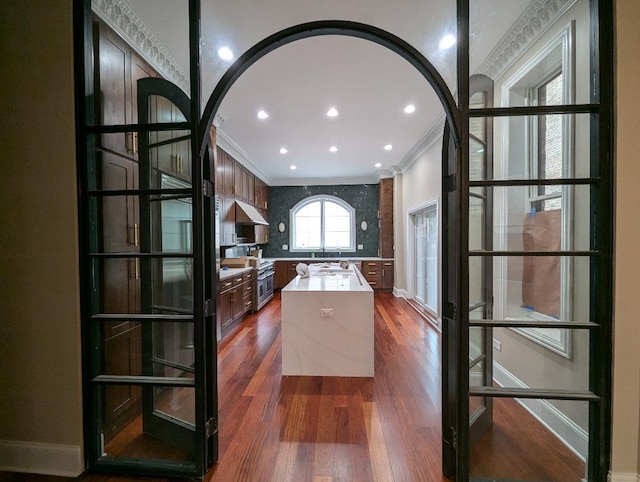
[618, 477]
[568, 432]
[41, 458]
[398, 293]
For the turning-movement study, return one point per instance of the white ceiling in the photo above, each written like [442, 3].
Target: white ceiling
[297, 83]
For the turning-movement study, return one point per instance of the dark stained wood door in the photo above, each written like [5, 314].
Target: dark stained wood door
[121, 290]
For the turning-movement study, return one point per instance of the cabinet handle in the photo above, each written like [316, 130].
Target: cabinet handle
[180, 163]
[134, 267]
[248, 303]
[228, 283]
[135, 234]
[131, 142]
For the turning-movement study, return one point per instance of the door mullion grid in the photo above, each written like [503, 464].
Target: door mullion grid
[462, 175]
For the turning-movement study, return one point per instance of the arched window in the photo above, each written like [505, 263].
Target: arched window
[322, 222]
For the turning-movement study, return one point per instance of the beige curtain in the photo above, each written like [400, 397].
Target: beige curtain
[541, 275]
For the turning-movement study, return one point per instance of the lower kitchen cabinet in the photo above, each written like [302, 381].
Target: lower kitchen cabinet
[379, 274]
[285, 272]
[235, 300]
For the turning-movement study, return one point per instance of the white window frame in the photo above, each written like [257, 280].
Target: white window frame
[557, 56]
[322, 198]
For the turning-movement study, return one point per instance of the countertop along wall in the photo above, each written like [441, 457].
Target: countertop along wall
[362, 197]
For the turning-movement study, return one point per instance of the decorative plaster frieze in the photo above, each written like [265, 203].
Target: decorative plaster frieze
[119, 15]
[531, 25]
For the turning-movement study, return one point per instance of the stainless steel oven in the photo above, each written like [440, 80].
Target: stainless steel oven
[264, 284]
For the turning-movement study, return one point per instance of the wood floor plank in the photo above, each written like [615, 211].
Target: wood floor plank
[333, 429]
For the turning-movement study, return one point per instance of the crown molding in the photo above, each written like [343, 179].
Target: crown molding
[122, 18]
[531, 25]
[226, 143]
[433, 133]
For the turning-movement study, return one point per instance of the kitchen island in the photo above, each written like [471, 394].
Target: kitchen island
[327, 323]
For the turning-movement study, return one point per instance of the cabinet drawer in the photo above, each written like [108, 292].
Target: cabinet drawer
[226, 285]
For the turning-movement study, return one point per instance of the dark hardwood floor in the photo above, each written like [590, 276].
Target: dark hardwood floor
[327, 429]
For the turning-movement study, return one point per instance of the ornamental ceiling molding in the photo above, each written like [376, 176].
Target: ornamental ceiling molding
[119, 15]
[531, 25]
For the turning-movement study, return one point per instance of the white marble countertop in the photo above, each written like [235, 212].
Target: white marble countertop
[229, 272]
[325, 260]
[329, 277]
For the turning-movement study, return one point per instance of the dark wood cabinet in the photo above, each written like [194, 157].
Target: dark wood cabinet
[118, 68]
[261, 194]
[250, 195]
[285, 272]
[227, 219]
[372, 272]
[235, 300]
[173, 158]
[385, 213]
[121, 289]
[379, 274]
[387, 274]
[237, 179]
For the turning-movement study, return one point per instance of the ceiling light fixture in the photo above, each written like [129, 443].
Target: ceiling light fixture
[293, 167]
[447, 41]
[377, 164]
[333, 149]
[225, 53]
[262, 115]
[283, 150]
[410, 109]
[388, 147]
[332, 112]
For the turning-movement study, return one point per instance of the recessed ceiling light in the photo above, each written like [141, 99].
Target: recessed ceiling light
[283, 150]
[225, 53]
[388, 147]
[447, 41]
[333, 149]
[262, 114]
[332, 112]
[410, 109]
[293, 167]
[377, 164]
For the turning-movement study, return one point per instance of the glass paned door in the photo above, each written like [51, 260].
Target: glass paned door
[147, 274]
[541, 354]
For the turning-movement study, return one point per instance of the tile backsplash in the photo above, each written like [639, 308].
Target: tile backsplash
[362, 197]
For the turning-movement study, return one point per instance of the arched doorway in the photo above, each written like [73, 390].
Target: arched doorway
[456, 180]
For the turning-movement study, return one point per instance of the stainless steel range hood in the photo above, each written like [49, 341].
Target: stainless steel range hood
[247, 214]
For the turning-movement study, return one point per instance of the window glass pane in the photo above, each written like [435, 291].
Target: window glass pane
[125, 436]
[519, 44]
[518, 446]
[535, 147]
[535, 288]
[524, 221]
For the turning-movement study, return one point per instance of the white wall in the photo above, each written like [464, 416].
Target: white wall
[421, 183]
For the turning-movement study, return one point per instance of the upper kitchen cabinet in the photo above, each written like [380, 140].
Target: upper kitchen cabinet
[385, 214]
[169, 151]
[224, 172]
[261, 194]
[118, 68]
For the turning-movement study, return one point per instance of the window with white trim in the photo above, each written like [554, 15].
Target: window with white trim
[322, 222]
